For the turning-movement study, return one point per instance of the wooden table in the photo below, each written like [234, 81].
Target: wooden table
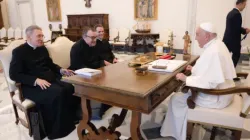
[120, 86]
[143, 36]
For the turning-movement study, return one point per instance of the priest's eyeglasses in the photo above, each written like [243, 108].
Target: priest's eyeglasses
[92, 37]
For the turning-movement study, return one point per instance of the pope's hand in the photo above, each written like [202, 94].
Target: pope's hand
[181, 76]
[189, 68]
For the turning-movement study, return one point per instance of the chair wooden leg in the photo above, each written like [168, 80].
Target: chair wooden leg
[27, 112]
[213, 133]
[236, 134]
[16, 114]
[190, 127]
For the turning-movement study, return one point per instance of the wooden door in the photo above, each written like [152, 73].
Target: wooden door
[1, 18]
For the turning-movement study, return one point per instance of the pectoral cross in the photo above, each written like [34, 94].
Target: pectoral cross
[88, 4]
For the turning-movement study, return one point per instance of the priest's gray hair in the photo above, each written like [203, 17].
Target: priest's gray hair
[31, 28]
[86, 30]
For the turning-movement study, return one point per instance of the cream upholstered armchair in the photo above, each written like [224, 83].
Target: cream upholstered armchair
[18, 34]
[3, 35]
[24, 34]
[47, 37]
[18, 101]
[11, 35]
[234, 117]
[123, 38]
[59, 51]
[113, 35]
[164, 36]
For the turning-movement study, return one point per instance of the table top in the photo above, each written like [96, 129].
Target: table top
[123, 79]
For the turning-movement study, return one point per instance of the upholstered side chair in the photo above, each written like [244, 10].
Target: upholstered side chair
[235, 117]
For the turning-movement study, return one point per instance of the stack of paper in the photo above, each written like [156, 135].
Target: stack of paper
[88, 72]
[171, 65]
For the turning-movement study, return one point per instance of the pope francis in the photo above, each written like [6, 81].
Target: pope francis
[213, 70]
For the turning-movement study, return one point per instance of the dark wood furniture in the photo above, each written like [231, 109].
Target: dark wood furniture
[1, 19]
[120, 86]
[77, 22]
[143, 36]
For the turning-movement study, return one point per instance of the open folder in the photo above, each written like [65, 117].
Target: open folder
[171, 65]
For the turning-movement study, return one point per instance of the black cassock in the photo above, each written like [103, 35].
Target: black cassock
[105, 50]
[84, 56]
[56, 104]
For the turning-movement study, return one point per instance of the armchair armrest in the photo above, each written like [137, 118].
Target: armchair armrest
[11, 39]
[244, 75]
[127, 40]
[18, 85]
[116, 39]
[47, 41]
[195, 91]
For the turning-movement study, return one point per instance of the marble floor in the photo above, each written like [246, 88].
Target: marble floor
[150, 123]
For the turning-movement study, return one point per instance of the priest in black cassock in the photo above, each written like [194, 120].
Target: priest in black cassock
[85, 54]
[32, 66]
[104, 46]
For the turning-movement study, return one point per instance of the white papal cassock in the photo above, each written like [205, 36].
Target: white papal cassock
[213, 70]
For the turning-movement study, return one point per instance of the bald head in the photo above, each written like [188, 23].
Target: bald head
[205, 34]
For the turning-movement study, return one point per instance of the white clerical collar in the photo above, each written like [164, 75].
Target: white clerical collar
[34, 47]
[237, 9]
[99, 39]
[209, 43]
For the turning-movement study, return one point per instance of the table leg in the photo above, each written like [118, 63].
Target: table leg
[135, 126]
[97, 134]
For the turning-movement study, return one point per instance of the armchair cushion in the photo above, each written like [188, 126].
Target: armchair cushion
[227, 117]
[111, 42]
[119, 43]
[25, 104]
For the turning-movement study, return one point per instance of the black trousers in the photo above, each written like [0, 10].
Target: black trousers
[236, 49]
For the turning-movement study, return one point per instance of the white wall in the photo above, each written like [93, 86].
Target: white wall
[214, 11]
[178, 16]
[171, 14]
[246, 23]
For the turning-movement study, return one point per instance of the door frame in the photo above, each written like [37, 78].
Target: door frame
[1, 17]
[30, 2]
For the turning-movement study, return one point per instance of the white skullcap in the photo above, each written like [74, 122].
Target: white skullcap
[209, 27]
